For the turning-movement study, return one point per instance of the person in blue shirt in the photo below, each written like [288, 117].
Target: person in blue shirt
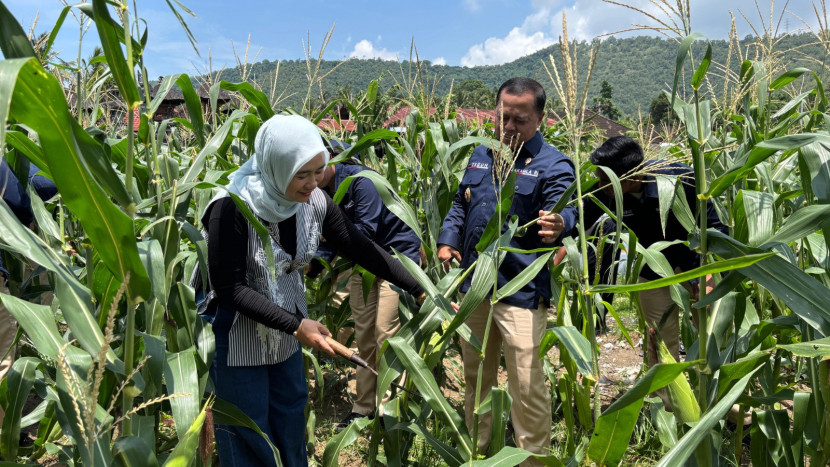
[641, 214]
[520, 320]
[16, 197]
[375, 315]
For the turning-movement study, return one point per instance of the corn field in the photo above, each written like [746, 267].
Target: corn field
[121, 351]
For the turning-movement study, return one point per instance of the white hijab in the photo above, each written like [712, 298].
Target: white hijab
[284, 144]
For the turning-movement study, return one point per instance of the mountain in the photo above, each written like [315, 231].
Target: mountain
[638, 68]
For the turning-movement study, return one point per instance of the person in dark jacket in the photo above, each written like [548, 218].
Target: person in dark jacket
[375, 314]
[641, 206]
[520, 320]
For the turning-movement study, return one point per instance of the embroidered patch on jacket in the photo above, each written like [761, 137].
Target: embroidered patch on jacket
[528, 172]
[479, 165]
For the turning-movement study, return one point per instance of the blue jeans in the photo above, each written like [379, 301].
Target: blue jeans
[273, 396]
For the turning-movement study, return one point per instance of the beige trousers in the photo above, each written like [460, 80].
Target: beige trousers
[375, 321]
[656, 303]
[521, 331]
[8, 330]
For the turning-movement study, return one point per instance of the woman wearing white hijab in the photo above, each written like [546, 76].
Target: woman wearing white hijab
[261, 320]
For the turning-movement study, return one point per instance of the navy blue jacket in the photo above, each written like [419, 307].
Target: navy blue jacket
[543, 175]
[363, 206]
[642, 215]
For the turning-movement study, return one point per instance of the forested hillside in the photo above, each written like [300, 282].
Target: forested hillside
[638, 68]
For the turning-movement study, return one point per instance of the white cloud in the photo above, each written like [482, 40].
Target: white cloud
[495, 51]
[439, 61]
[365, 49]
[472, 5]
[588, 19]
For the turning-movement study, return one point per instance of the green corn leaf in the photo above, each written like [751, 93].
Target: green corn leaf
[499, 402]
[38, 101]
[342, 440]
[711, 268]
[679, 392]
[578, 347]
[496, 222]
[111, 43]
[801, 223]
[760, 216]
[39, 323]
[225, 413]
[44, 220]
[194, 108]
[391, 200]
[132, 451]
[758, 154]
[181, 377]
[484, 276]
[689, 442]
[806, 296]
[187, 449]
[819, 348]
[816, 158]
[76, 300]
[523, 278]
[100, 167]
[20, 380]
[28, 148]
[614, 427]
[428, 388]
[447, 453]
[368, 140]
[214, 143]
[700, 73]
[37, 415]
[682, 53]
[14, 43]
[787, 77]
[666, 194]
[515, 456]
[731, 372]
[255, 97]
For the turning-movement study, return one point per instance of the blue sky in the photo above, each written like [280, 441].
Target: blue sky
[452, 32]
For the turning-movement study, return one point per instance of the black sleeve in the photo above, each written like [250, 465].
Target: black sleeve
[350, 242]
[227, 264]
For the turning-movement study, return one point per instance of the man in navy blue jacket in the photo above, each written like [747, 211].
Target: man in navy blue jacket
[520, 320]
[376, 314]
[641, 214]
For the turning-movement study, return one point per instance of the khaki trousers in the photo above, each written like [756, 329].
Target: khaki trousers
[656, 303]
[8, 330]
[375, 321]
[521, 331]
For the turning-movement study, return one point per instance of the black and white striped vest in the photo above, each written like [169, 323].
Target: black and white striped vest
[252, 343]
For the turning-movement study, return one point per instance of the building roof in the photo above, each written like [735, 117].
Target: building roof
[136, 119]
[597, 122]
[331, 124]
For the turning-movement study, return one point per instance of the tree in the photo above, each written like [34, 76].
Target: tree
[660, 110]
[604, 104]
[472, 94]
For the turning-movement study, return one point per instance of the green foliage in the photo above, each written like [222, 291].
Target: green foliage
[604, 103]
[637, 68]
